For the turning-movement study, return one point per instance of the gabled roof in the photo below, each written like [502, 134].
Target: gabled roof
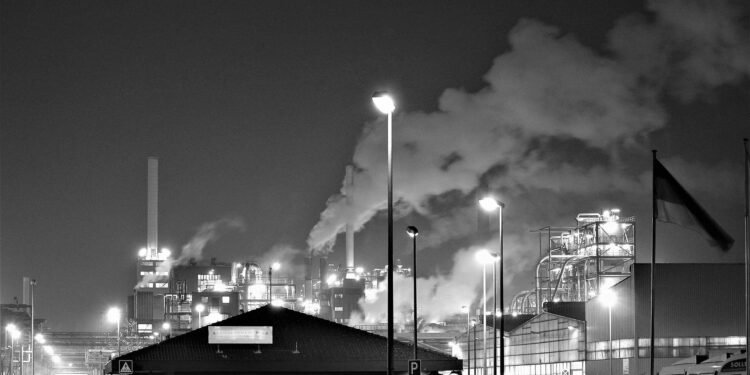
[301, 343]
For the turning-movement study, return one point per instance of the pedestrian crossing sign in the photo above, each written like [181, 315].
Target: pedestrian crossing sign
[126, 366]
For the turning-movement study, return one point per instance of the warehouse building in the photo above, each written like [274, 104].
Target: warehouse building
[699, 311]
[276, 340]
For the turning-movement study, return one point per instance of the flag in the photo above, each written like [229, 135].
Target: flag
[673, 204]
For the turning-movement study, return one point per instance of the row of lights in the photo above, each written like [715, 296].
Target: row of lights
[15, 334]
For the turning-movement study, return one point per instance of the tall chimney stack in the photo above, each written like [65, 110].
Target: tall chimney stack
[323, 269]
[26, 290]
[308, 277]
[152, 219]
[349, 190]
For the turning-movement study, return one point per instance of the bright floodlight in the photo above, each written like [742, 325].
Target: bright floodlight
[11, 328]
[359, 270]
[277, 302]
[412, 231]
[56, 359]
[484, 256]
[608, 298]
[200, 308]
[113, 315]
[166, 252]
[383, 102]
[166, 326]
[142, 252]
[489, 204]
[331, 279]
[276, 266]
[40, 338]
[49, 350]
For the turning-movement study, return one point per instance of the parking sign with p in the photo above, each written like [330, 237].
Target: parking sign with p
[415, 366]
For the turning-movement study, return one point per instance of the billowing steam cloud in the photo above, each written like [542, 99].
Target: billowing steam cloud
[193, 250]
[554, 116]
[440, 295]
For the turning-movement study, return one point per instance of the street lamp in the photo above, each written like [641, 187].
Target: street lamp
[413, 232]
[113, 316]
[474, 328]
[489, 204]
[386, 105]
[609, 299]
[468, 337]
[32, 285]
[485, 257]
[275, 266]
[167, 329]
[200, 308]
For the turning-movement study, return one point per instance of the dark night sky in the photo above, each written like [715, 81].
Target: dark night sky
[254, 109]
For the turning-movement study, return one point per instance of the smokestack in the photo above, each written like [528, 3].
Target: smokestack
[349, 190]
[152, 218]
[308, 277]
[323, 270]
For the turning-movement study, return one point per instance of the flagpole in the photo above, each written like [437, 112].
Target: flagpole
[747, 248]
[653, 255]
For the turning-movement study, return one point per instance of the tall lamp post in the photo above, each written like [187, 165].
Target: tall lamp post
[468, 337]
[386, 105]
[486, 257]
[609, 299]
[413, 232]
[474, 328]
[489, 204]
[482, 255]
[32, 284]
[274, 266]
[113, 315]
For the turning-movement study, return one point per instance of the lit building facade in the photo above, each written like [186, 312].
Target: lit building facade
[699, 310]
[694, 315]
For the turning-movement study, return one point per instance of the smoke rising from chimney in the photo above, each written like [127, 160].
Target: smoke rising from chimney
[547, 95]
[193, 250]
[554, 116]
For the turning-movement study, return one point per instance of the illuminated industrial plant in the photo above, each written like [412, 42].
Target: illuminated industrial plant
[581, 260]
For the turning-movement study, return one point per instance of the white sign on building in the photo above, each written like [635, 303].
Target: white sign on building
[240, 335]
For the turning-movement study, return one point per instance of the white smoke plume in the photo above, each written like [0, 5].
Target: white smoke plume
[445, 293]
[441, 295]
[691, 48]
[283, 254]
[554, 116]
[548, 90]
[193, 250]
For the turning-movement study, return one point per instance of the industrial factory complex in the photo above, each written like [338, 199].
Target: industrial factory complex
[587, 312]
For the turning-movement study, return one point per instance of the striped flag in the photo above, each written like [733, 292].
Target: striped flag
[674, 205]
